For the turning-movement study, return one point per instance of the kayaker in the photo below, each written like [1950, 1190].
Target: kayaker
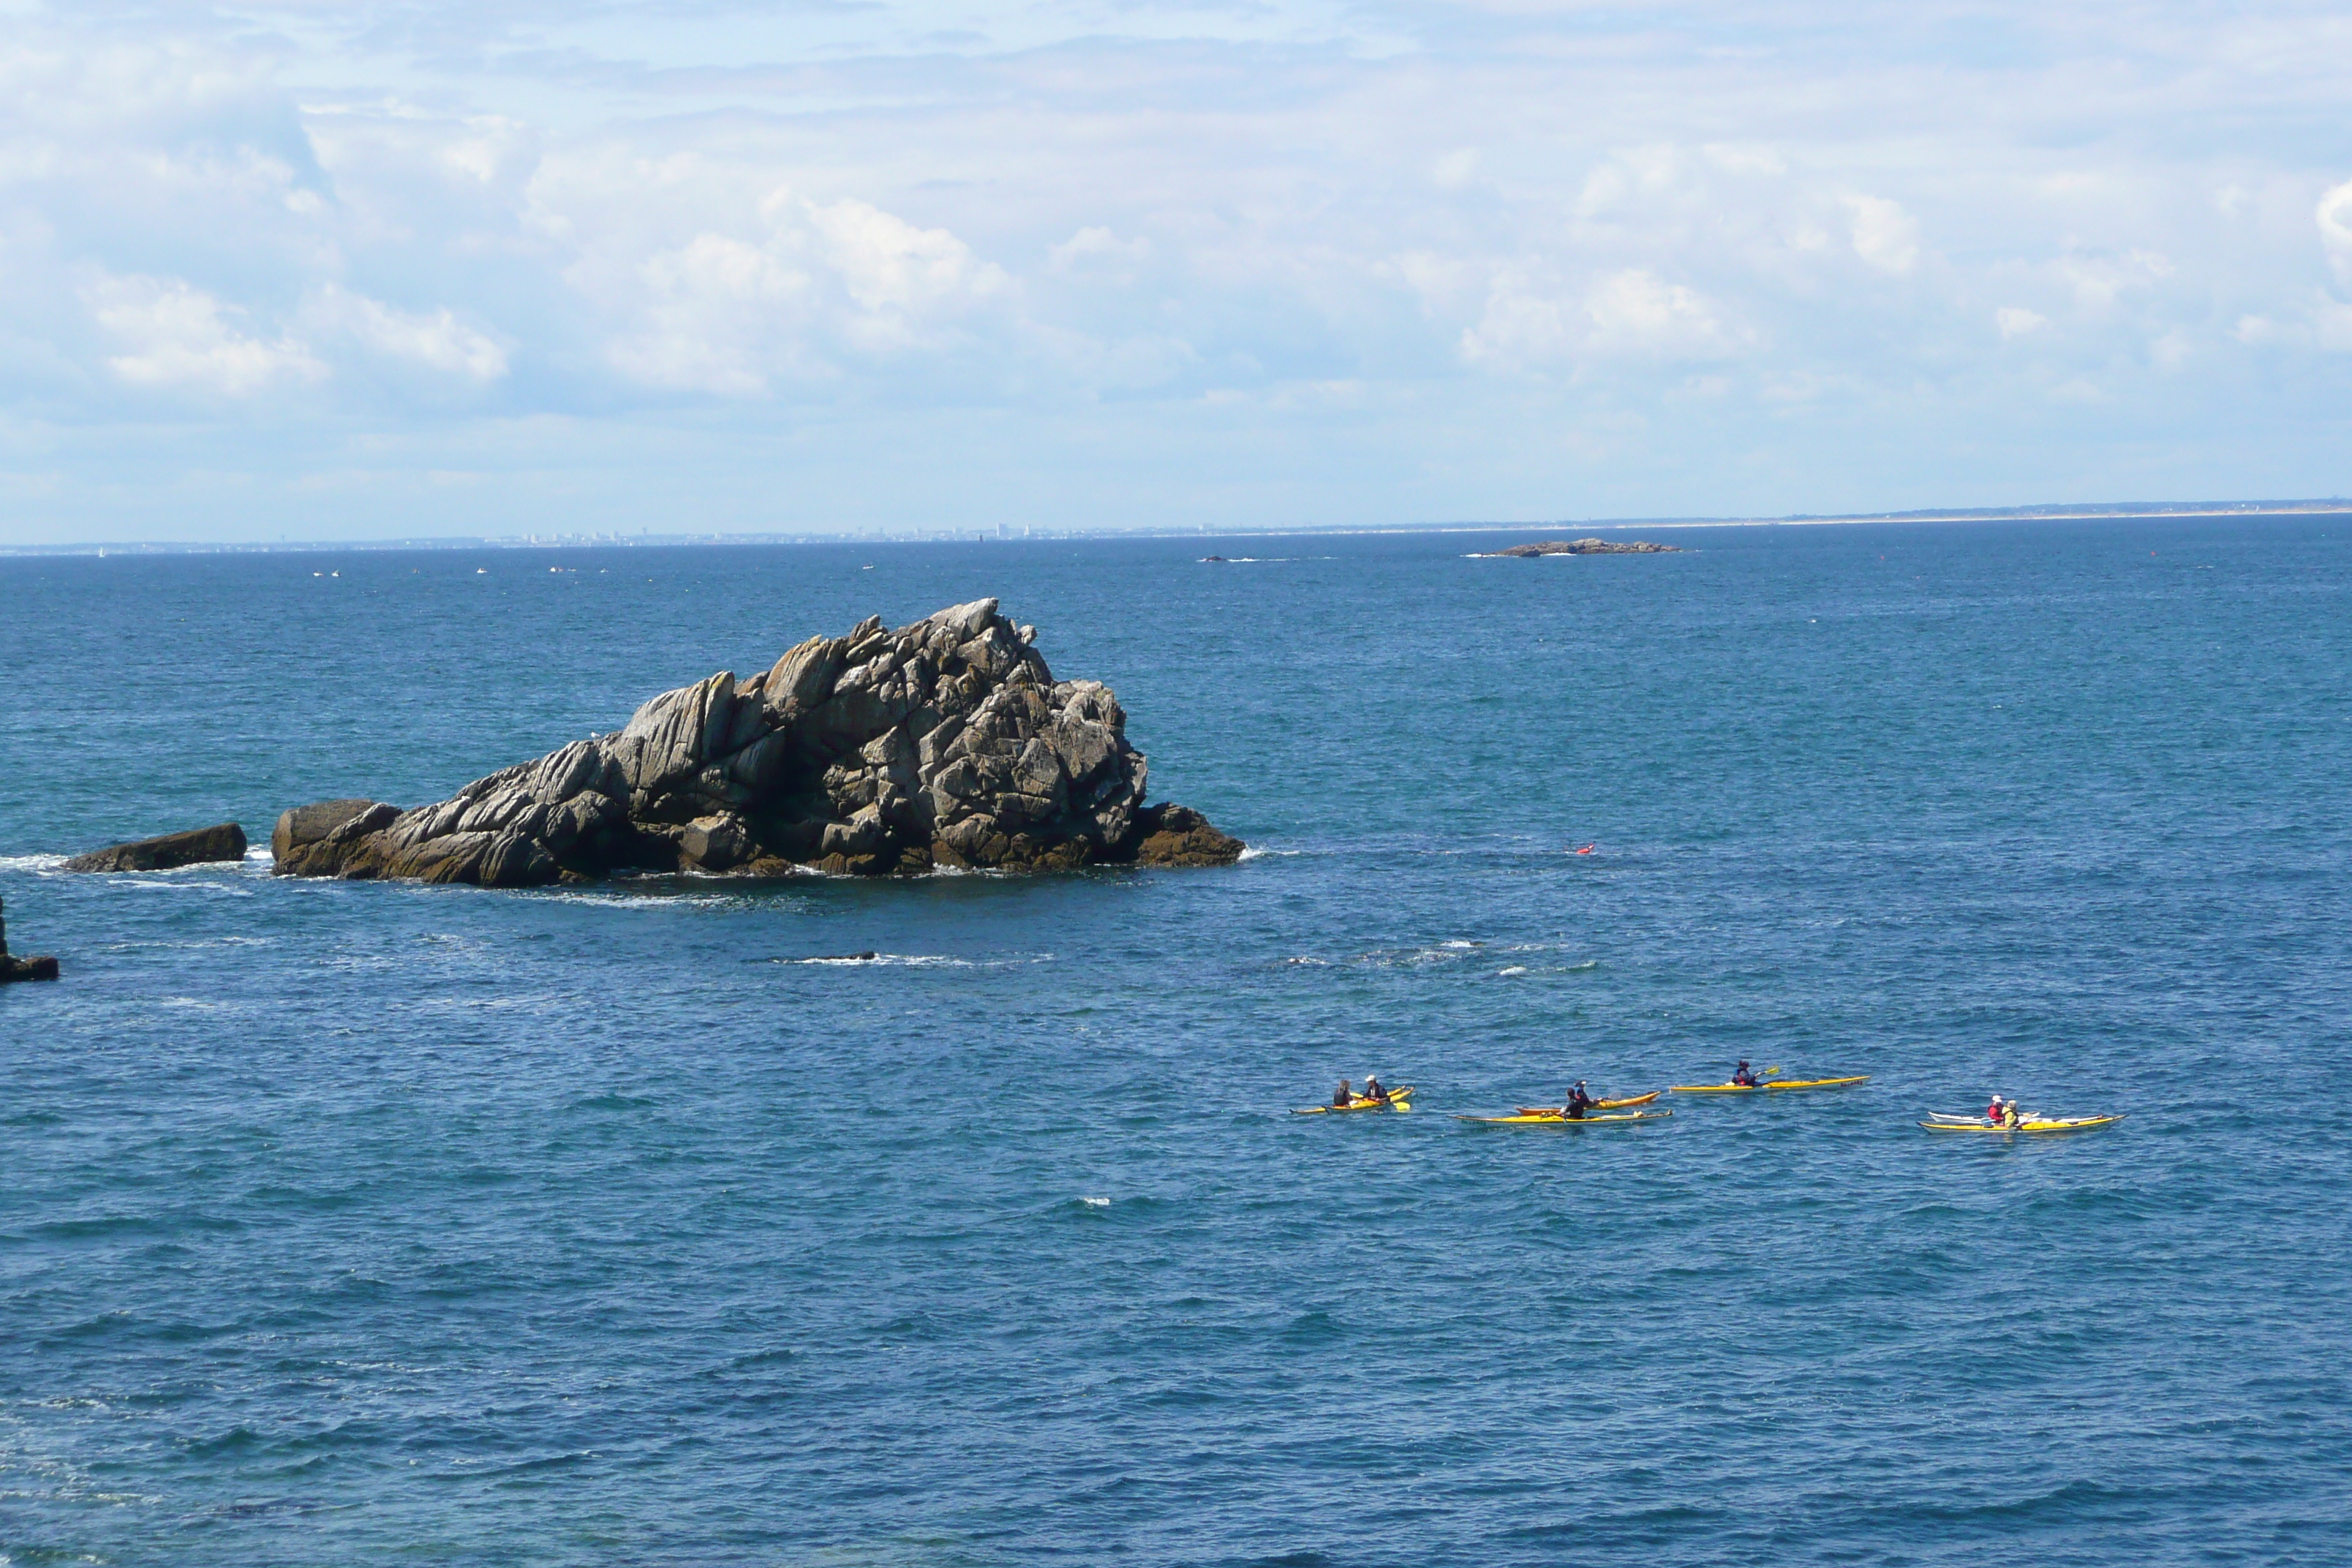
[1992, 1111]
[1744, 1076]
[2009, 1116]
[1372, 1090]
[1578, 1102]
[1342, 1099]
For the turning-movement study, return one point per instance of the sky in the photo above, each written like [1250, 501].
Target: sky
[323, 270]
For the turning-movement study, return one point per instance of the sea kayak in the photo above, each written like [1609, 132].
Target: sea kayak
[1597, 1105]
[1780, 1083]
[2034, 1124]
[1554, 1119]
[1396, 1101]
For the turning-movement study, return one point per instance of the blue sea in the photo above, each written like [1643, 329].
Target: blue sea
[632, 1224]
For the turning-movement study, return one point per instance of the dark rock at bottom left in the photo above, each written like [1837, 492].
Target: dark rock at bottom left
[22, 968]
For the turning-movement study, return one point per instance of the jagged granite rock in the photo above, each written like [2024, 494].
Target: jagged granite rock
[22, 968]
[196, 846]
[946, 743]
[1587, 547]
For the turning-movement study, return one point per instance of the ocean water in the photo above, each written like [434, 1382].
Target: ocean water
[358, 1224]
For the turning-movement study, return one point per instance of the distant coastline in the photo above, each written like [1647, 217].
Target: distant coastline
[1544, 547]
[2330, 506]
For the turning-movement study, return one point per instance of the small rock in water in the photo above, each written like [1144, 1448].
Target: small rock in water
[22, 968]
[196, 846]
[1178, 835]
[1586, 547]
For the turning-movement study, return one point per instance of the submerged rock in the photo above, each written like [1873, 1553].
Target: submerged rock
[13, 968]
[943, 744]
[1587, 547]
[196, 846]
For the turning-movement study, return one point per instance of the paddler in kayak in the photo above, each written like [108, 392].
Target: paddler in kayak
[1578, 1102]
[1372, 1090]
[1340, 1098]
[1744, 1076]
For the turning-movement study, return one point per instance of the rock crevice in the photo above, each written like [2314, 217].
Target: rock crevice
[946, 743]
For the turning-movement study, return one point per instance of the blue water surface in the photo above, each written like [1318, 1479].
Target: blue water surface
[376, 1223]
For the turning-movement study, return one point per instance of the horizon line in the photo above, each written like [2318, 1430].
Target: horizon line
[1003, 534]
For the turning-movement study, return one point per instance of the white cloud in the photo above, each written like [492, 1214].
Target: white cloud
[435, 340]
[1096, 247]
[717, 315]
[904, 279]
[1885, 236]
[2334, 218]
[2332, 321]
[1455, 170]
[176, 335]
[2099, 280]
[1629, 313]
[2016, 321]
[1746, 159]
[2323, 324]
[1639, 312]
[702, 290]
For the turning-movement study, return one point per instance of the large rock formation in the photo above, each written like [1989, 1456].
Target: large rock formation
[944, 743]
[196, 846]
[22, 968]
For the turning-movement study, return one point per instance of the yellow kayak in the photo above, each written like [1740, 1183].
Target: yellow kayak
[1396, 1100]
[1779, 1083]
[1597, 1105]
[2036, 1124]
[1554, 1119]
